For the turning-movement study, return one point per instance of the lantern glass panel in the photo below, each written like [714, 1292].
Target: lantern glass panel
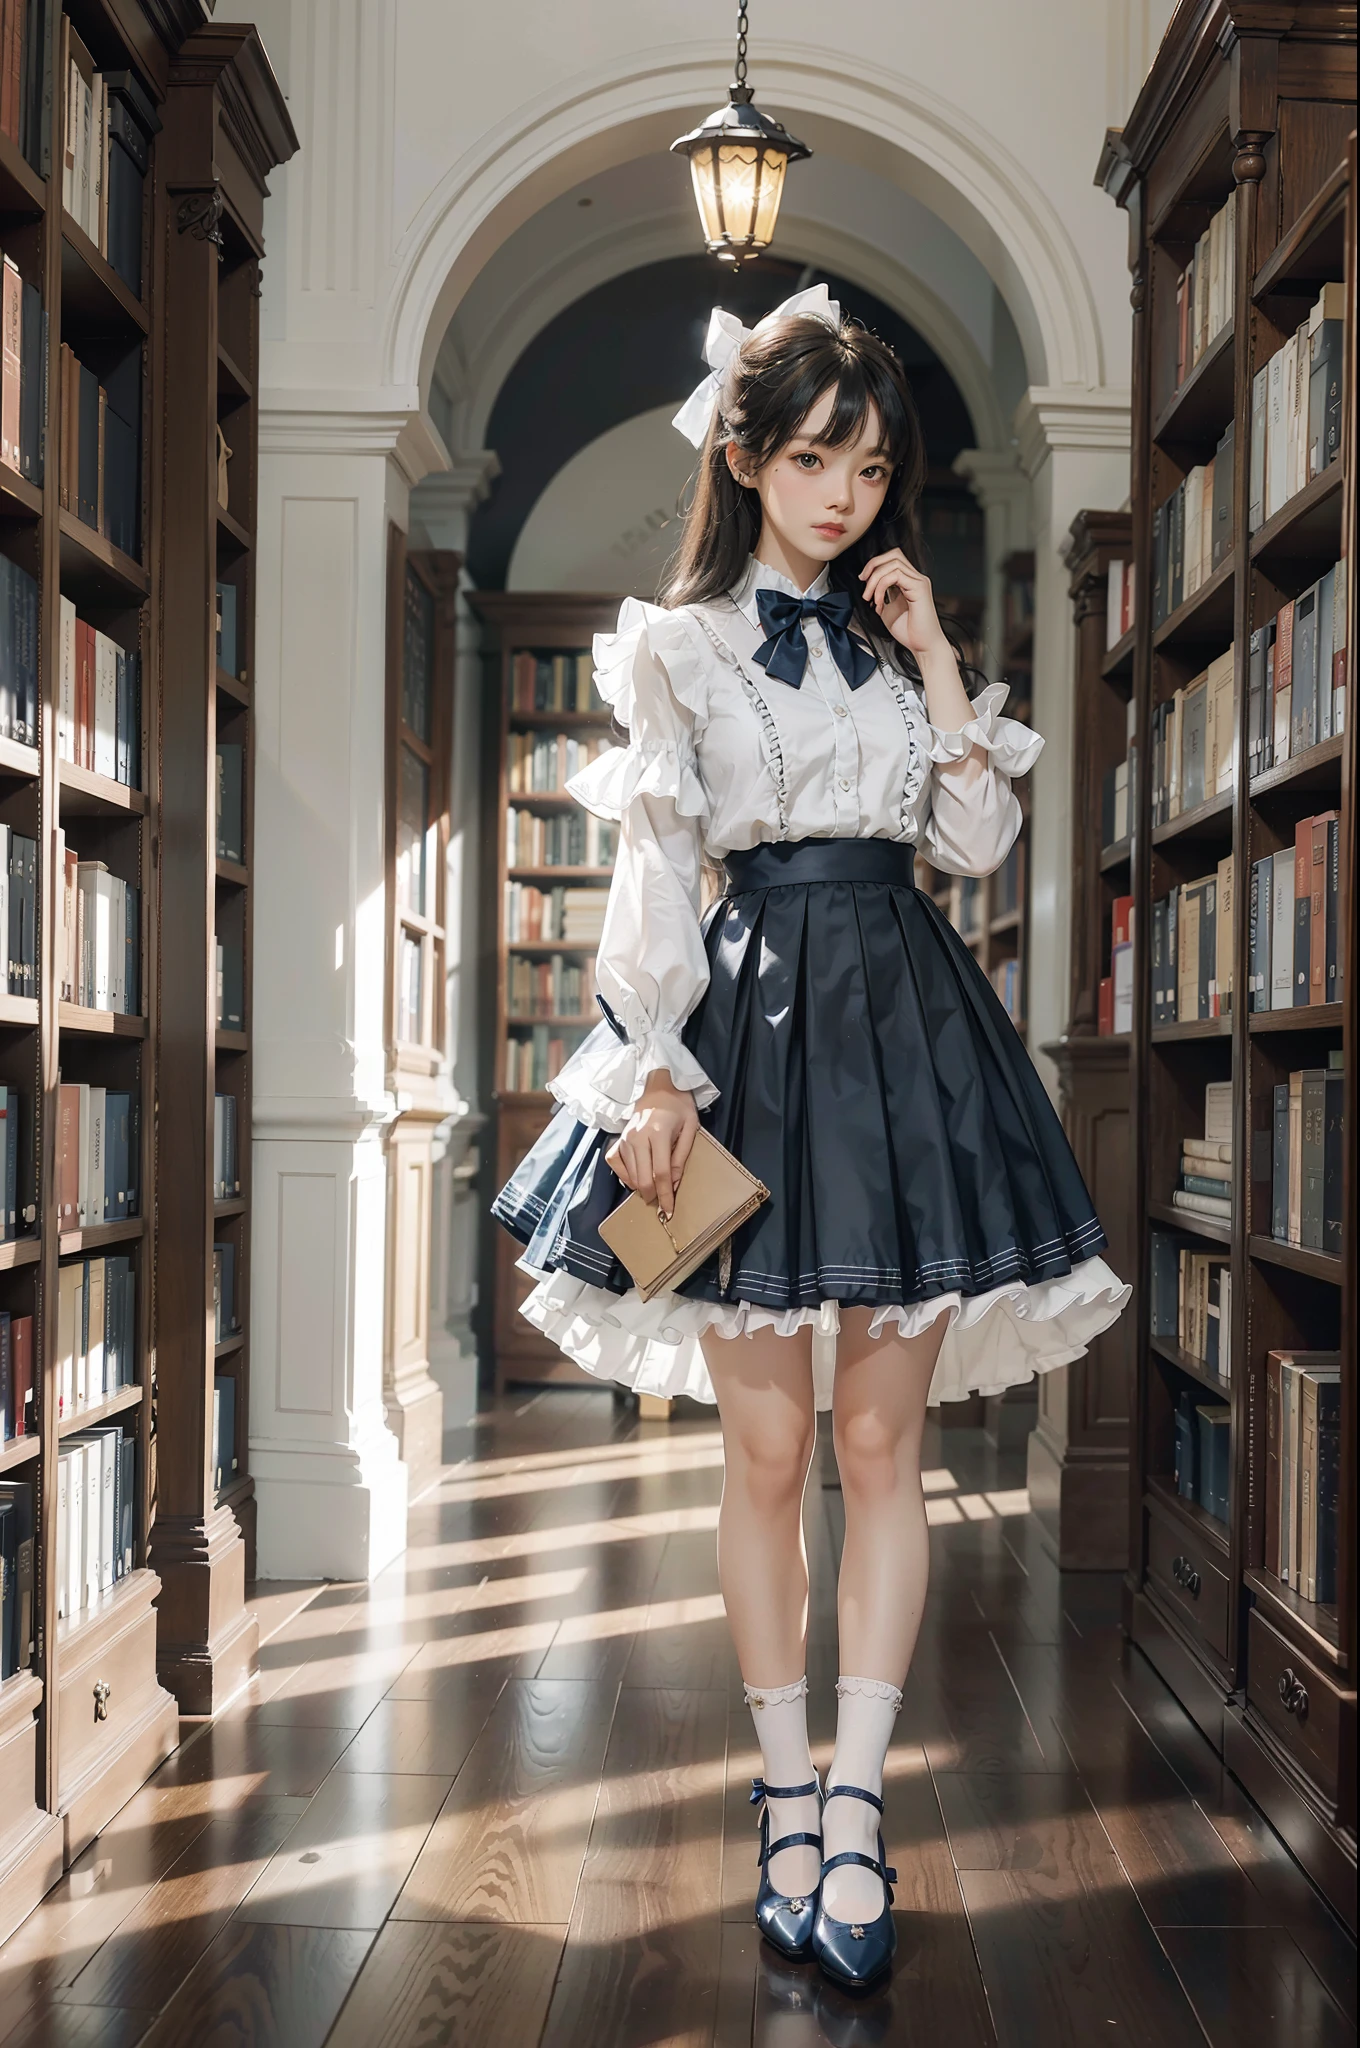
[771, 191]
[704, 171]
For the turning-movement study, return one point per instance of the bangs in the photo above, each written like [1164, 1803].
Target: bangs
[858, 393]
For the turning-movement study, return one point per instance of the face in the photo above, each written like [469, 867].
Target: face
[820, 500]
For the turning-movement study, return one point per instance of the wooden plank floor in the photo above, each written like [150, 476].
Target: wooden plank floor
[498, 1799]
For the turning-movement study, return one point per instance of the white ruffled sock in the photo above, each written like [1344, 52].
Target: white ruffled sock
[780, 1716]
[864, 1725]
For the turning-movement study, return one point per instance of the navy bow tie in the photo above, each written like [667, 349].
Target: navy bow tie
[783, 654]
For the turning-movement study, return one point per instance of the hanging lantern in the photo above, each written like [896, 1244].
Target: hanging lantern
[737, 159]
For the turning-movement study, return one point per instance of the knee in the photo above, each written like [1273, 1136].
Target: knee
[770, 1461]
[868, 1454]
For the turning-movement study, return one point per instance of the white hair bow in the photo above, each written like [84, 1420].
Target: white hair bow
[725, 336]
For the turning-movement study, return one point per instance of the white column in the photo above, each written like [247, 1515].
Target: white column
[331, 1489]
[440, 509]
[1003, 491]
[1074, 447]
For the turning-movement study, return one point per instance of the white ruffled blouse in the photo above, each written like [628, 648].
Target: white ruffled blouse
[722, 756]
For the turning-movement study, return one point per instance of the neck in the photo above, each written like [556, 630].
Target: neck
[775, 553]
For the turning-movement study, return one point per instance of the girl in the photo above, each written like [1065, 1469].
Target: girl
[796, 712]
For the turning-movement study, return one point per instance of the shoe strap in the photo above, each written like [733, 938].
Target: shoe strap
[854, 1792]
[760, 1790]
[876, 1864]
[790, 1842]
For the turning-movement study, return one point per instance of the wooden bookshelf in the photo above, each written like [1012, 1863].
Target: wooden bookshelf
[516, 623]
[225, 127]
[1264, 107]
[1078, 1452]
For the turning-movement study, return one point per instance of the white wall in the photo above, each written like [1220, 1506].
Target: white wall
[955, 150]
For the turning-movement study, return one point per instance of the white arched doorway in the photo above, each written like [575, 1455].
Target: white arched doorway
[353, 329]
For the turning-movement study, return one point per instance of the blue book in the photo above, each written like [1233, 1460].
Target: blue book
[117, 1117]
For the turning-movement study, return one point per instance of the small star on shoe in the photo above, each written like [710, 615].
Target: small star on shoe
[797, 1905]
[856, 1934]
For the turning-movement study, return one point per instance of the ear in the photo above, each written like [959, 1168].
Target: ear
[736, 463]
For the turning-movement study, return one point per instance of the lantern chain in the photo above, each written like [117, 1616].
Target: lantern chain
[743, 27]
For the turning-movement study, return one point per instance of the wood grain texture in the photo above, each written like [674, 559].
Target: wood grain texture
[243, 1757]
[263, 1987]
[80, 2026]
[643, 1951]
[428, 1737]
[425, 1983]
[1254, 1984]
[511, 1838]
[345, 1861]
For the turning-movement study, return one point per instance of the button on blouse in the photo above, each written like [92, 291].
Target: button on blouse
[723, 756]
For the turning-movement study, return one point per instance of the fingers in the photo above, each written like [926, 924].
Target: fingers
[684, 1145]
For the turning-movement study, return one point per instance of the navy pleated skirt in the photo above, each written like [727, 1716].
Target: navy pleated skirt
[869, 1076]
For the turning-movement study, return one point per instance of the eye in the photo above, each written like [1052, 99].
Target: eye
[806, 459]
[875, 471]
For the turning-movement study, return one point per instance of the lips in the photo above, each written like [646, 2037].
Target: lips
[830, 529]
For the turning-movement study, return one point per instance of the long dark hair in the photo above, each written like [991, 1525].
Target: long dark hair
[771, 385]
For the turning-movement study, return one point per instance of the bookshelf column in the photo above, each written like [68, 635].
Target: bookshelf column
[1074, 448]
[330, 1485]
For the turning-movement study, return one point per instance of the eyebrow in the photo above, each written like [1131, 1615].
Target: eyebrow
[815, 441]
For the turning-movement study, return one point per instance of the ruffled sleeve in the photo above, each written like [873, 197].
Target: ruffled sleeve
[974, 820]
[651, 967]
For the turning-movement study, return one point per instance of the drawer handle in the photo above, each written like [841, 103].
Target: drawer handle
[1185, 1575]
[103, 1692]
[1293, 1694]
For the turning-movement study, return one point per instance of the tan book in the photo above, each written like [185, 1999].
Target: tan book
[1223, 938]
[1221, 769]
[1187, 951]
[1173, 750]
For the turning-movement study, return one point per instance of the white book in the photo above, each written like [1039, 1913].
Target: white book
[68, 159]
[80, 1356]
[117, 952]
[108, 1535]
[83, 160]
[75, 1548]
[1194, 530]
[66, 682]
[1282, 935]
[1216, 227]
[96, 908]
[93, 1160]
[1260, 391]
[1199, 309]
[85, 1217]
[105, 706]
[92, 1493]
[1290, 402]
[96, 1362]
[1276, 492]
[1218, 1112]
[63, 1528]
[1299, 442]
[1289, 1445]
[68, 1309]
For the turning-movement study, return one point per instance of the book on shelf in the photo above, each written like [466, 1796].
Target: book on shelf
[18, 1211]
[1298, 1161]
[1208, 1193]
[1194, 742]
[99, 701]
[1201, 1446]
[1204, 289]
[1302, 1432]
[1115, 1000]
[105, 155]
[549, 988]
[17, 1576]
[224, 1430]
[1192, 530]
[231, 837]
[96, 1331]
[98, 939]
[1119, 603]
[231, 982]
[18, 912]
[536, 1058]
[227, 650]
[98, 1148]
[566, 839]
[1296, 674]
[1297, 919]
[23, 374]
[16, 1375]
[1192, 950]
[226, 1171]
[1296, 408]
[554, 682]
[1191, 1300]
[96, 1489]
[101, 447]
[1005, 979]
[18, 654]
[224, 1292]
[571, 915]
[1119, 790]
[542, 763]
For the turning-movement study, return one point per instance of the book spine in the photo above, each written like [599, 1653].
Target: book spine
[1303, 908]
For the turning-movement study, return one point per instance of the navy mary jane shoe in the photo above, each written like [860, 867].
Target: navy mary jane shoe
[855, 1954]
[785, 1922]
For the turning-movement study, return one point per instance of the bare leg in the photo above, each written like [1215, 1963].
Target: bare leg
[879, 1412]
[764, 1388]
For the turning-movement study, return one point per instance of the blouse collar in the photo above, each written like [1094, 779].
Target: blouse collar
[757, 577]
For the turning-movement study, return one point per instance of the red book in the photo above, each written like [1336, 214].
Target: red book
[21, 1368]
[1121, 920]
[1105, 1007]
